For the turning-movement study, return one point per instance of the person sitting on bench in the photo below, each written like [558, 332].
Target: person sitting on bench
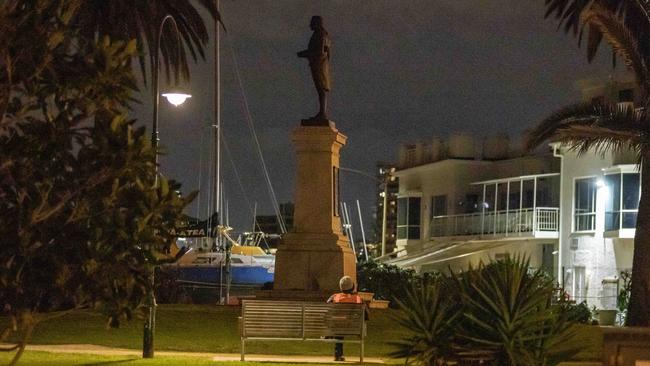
[347, 295]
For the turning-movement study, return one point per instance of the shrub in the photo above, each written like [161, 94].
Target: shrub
[386, 281]
[623, 298]
[432, 318]
[499, 313]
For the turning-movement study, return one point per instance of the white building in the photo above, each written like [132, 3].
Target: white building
[572, 215]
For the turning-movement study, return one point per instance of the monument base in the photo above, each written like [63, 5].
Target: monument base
[314, 257]
[305, 263]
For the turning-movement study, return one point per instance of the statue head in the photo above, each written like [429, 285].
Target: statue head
[316, 22]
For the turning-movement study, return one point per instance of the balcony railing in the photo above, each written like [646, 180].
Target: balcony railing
[506, 223]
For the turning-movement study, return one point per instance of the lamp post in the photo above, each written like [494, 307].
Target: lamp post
[175, 98]
[388, 177]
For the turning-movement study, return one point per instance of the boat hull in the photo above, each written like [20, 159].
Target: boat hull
[249, 275]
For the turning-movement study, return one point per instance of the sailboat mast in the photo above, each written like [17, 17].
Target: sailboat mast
[217, 117]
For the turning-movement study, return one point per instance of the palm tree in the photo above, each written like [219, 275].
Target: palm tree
[140, 20]
[625, 25]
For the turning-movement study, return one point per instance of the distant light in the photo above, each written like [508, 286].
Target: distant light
[600, 183]
[555, 252]
[176, 98]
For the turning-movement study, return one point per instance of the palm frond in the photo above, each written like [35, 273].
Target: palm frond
[604, 23]
[547, 129]
[585, 138]
[607, 128]
[140, 20]
[633, 13]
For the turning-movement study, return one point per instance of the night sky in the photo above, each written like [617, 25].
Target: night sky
[402, 70]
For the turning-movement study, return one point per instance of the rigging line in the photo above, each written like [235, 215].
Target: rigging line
[238, 179]
[210, 189]
[198, 198]
[249, 120]
[241, 187]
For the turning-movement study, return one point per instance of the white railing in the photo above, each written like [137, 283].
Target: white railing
[507, 222]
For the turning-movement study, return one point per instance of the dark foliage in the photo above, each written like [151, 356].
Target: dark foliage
[497, 314]
[387, 281]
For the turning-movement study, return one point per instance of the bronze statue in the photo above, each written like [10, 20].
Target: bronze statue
[318, 54]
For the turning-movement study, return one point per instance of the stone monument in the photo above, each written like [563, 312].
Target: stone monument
[315, 255]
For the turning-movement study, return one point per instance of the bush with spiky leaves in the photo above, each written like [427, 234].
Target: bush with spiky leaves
[500, 313]
[432, 317]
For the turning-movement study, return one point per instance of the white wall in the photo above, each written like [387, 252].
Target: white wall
[602, 257]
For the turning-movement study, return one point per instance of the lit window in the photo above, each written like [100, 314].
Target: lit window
[622, 203]
[584, 216]
[408, 218]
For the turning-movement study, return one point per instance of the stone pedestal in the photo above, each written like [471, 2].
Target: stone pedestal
[315, 255]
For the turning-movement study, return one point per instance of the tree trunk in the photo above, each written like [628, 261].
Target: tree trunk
[639, 309]
[27, 323]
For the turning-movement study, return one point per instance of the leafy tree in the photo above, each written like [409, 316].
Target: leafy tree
[625, 25]
[82, 219]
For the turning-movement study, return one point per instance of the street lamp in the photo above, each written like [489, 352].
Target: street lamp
[175, 98]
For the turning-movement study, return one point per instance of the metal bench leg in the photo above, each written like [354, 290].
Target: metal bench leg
[243, 350]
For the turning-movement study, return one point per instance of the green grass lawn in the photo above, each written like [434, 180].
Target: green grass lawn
[59, 359]
[199, 328]
[209, 328]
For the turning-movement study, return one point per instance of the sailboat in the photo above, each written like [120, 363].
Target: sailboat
[239, 265]
[216, 259]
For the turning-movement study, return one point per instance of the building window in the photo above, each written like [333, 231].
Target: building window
[410, 155]
[438, 206]
[579, 284]
[626, 95]
[622, 206]
[408, 218]
[584, 216]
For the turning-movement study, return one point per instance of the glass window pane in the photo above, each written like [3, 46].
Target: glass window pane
[613, 201]
[438, 205]
[414, 232]
[488, 204]
[402, 204]
[631, 191]
[502, 196]
[515, 188]
[548, 191]
[585, 195]
[528, 195]
[401, 232]
[414, 211]
[472, 203]
[629, 220]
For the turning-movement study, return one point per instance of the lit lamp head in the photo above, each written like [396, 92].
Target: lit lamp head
[176, 97]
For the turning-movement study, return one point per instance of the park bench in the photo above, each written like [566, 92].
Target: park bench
[301, 321]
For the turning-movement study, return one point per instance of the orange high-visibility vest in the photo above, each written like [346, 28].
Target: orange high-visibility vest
[342, 297]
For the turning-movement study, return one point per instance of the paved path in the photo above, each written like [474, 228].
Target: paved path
[110, 351]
